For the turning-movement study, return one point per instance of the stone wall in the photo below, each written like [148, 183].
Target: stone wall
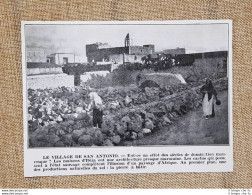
[58, 80]
[47, 70]
[50, 81]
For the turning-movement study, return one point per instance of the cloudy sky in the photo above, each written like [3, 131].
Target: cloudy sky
[73, 38]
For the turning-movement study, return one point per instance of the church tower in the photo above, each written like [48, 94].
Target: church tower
[127, 40]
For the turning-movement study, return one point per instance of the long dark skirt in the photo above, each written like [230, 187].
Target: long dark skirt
[213, 113]
[97, 117]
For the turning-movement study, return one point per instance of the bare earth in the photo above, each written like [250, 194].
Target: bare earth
[193, 128]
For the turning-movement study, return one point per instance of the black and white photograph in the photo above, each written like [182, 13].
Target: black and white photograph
[96, 85]
[127, 97]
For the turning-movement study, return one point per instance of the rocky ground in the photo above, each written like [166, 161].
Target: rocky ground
[57, 117]
[193, 128]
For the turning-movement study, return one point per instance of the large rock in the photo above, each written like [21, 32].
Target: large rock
[149, 124]
[34, 125]
[108, 125]
[108, 142]
[133, 136]
[121, 128]
[126, 119]
[81, 116]
[150, 116]
[97, 137]
[77, 133]
[146, 131]
[85, 140]
[116, 139]
[59, 144]
[52, 139]
[68, 140]
[166, 120]
[169, 106]
[79, 110]
[41, 134]
[60, 132]
[77, 125]
[133, 126]
[140, 135]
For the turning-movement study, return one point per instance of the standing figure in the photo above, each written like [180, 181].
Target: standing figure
[208, 92]
[138, 78]
[95, 103]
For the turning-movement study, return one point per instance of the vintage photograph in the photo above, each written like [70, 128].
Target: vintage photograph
[126, 84]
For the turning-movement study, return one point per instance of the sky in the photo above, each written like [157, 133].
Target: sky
[73, 38]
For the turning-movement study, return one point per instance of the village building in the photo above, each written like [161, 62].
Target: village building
[61, 58]
[102, 52]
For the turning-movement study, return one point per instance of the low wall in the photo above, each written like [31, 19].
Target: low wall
[48, 70]
[50, 81]
[58, 80]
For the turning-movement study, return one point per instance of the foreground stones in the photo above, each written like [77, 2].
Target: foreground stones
[57, 118]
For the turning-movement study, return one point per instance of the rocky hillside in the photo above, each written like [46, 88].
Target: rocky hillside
[57, 117]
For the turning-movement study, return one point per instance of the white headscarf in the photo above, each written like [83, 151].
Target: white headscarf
[95, 99]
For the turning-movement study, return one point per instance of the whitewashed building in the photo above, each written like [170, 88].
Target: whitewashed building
[61, 58]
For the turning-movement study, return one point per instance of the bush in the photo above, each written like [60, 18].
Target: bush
[118, 77]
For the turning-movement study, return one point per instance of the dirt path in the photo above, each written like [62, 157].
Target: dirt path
[193, 128]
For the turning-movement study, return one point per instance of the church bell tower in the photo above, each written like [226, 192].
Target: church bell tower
[127, 41]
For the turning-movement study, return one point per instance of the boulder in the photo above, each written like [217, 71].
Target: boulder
[146, 131]
[133, 126]
[52, 139]
[108, 125]
[43, 144]
[97, 137]
[77, 133]
[104, 128]
[140, 135]
[127, 143]
[108, 142]
[116, 139]
[69, 129]
[169, 106]
[41, 134]
[71, 122]
[121, 128]
[59, 118]
[150, 116]
[85, 140]
[126, 119]
[133, 136]
[149, 124]
[34, 125]
[59, 144]
[166, 120]
[81, 116]
[79, 110]
[77, 125]
[71, 117]
[67, 140]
